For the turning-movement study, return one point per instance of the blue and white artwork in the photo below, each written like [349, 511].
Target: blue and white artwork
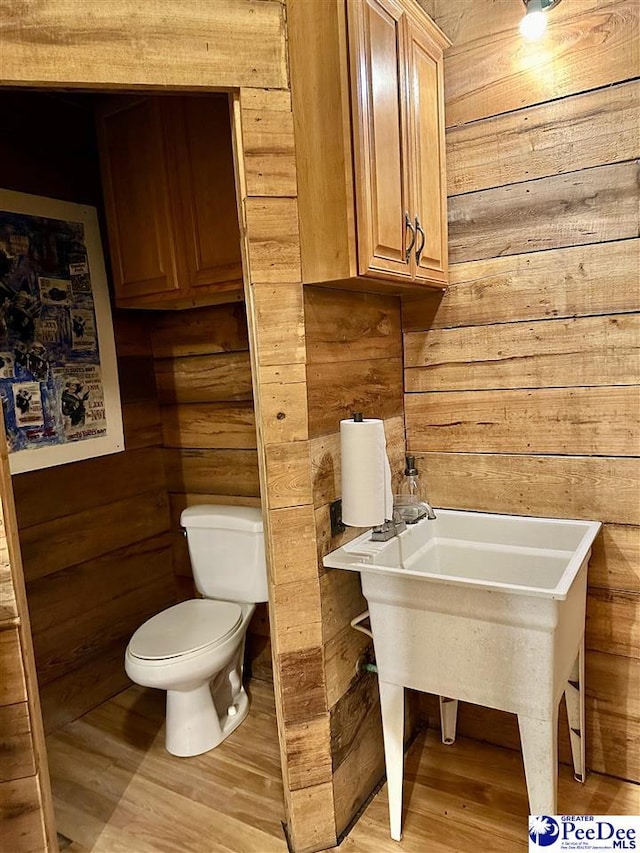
[51, 371]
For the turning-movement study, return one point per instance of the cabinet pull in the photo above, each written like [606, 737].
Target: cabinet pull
[419, 250]
[407, 223]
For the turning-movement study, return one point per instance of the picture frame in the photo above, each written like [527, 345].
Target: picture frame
[58, 371]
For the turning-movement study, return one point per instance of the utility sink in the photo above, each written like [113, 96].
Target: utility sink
[485, 608]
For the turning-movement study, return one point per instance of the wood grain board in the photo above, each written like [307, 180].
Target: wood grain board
[488, 73]
[579, 421]
[166, 45]
[551, 353]
[576, 281]
[589, 206]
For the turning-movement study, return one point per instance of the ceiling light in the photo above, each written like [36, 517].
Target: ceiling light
[534, 23]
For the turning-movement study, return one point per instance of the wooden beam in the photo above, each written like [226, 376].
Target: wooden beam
[166, 44]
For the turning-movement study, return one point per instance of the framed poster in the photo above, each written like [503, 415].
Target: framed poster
[58, 372]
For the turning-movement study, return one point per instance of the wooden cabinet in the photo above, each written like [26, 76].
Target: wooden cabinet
[170, 200]
[367, 89]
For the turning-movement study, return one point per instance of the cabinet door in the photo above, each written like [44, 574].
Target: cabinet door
[380, 139]
[204, 185]
[137, 198]
[426, 123]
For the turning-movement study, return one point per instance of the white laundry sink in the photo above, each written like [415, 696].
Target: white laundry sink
[485, 608]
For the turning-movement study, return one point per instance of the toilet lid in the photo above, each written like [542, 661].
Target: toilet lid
[186, 627]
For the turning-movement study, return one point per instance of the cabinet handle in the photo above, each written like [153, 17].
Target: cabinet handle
[407, 223]
[419, 250]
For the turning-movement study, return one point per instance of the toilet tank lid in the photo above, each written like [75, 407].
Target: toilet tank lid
[222, 517]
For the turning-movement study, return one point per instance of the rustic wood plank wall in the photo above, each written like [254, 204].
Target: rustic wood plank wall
[26, 808]
[522, 385]
[354, 363]
[271, 261]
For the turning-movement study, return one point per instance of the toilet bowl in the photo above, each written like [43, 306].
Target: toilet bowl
[195, 649]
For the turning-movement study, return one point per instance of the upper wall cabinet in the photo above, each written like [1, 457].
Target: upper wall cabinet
[366, 78]
[170, 200]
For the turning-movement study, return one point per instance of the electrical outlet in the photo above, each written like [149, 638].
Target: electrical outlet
[335, 513]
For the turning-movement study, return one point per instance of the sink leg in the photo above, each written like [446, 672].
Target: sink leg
[392, 707]
[539, 739]
[448, 719]
[574, 698]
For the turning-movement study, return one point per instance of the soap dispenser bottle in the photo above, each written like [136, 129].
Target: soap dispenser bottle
[409, 502]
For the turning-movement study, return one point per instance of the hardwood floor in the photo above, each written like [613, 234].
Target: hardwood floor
[117, 790]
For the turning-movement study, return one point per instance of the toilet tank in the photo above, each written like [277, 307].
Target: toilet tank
[226, 547]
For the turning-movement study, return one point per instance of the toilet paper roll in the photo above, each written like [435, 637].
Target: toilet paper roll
[367, 497]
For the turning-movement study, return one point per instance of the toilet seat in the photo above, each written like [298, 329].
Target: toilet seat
[185, 628]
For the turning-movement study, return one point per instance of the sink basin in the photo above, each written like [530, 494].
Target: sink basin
[521, 555]
[485, 608]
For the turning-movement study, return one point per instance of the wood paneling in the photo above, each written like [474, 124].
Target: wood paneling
[587, 487]
[120, 475]
[308, 761]
[559, 136]
[201, 331]
[204, 378]
[600, 350]
[272, 303]
[523, 380]
[269, 153]
[341, 326]
[16, 742]
[354, 363]
[585, 421]
[615, 559]
[72, 539]
[589, 206]
[13, 687]
[232, 472]
[21, 815]
[355, 730]
[373, 386]
[612, 622]
[488, 73]
[296, 619]
[232, 44]
[603, 278]
[209, 425]
[273, 239]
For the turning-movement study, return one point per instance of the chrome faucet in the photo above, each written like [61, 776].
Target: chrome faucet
[431, 515]
[389, 528]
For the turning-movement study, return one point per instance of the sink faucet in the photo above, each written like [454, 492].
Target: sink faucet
[389, 528]
[431, 515]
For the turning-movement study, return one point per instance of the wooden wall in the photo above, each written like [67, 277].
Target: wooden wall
[94, 534]
[203, 378]
[26, 808]
[354, 363]
[522, 386]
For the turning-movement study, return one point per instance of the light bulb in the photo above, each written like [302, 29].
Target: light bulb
[533, 25]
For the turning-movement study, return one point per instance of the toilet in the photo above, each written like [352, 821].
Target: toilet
[195, 649]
